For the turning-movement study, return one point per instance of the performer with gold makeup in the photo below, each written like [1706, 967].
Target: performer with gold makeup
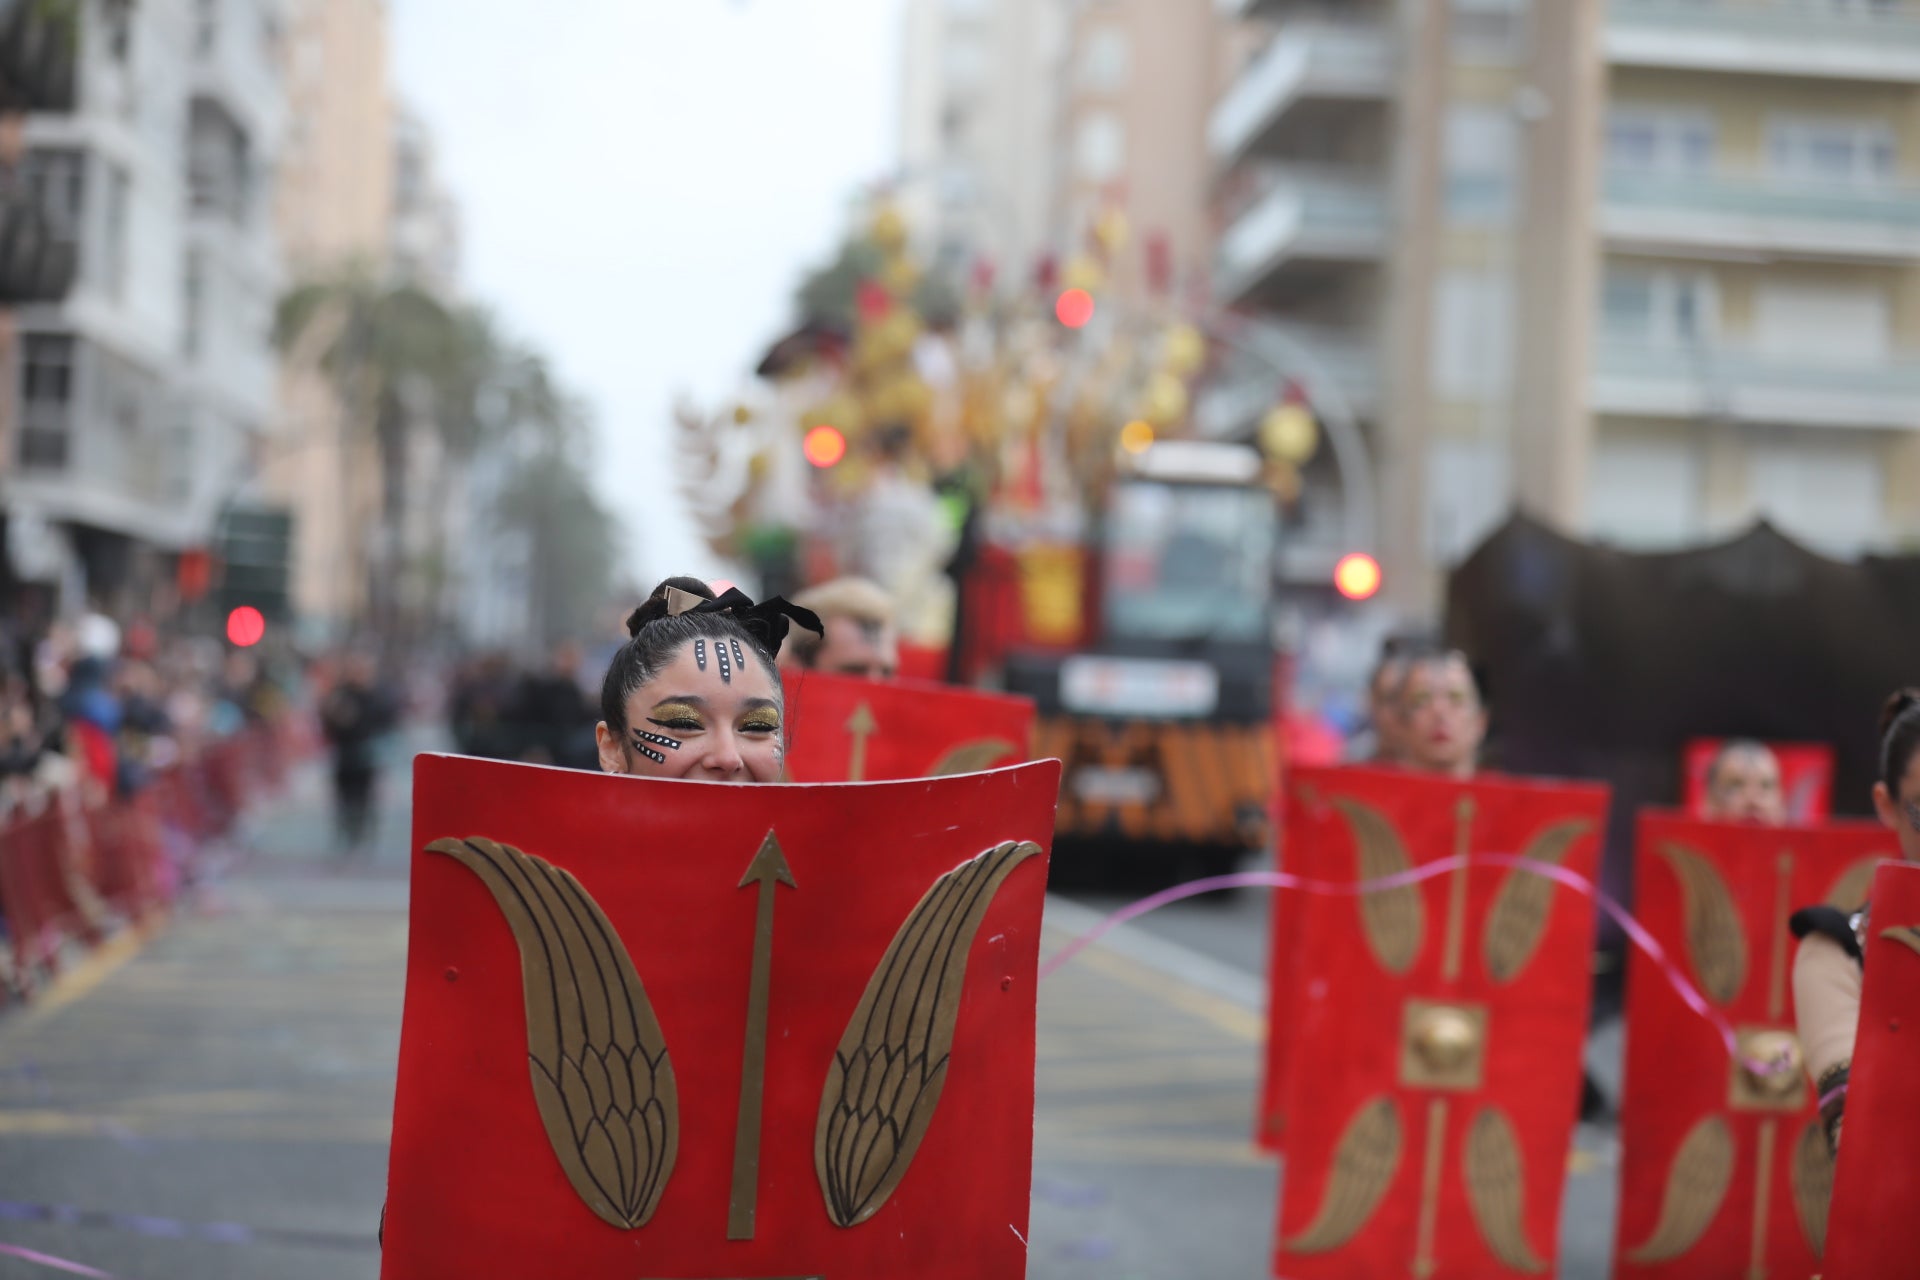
[696, 692]
[1827, 968]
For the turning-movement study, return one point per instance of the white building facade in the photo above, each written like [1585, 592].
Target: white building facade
[138, 398]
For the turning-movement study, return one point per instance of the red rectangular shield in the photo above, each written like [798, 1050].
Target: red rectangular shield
[1806, 777]
[1725, 1171]
[657, 1029]
[1874, 1229]
[843, 729]
[1436, 1026]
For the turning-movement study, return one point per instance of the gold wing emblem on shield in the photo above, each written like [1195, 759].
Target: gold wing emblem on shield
[1813, 1185]
[1497, 1189]
[1363, 1167]
[601, 1078]
[1716, 940]
[1696, 1185]
[891, 1065]
[1518, 916]
[1393, 919]
[1853, 885]
[1907, 935]
[972, 757]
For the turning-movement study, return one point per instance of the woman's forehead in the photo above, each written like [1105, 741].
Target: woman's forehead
[724, 675]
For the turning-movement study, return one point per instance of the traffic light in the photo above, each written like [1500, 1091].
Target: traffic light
[245, 627]
[254, 546]
[1357, 576]
[1074, 308]
[824, 446]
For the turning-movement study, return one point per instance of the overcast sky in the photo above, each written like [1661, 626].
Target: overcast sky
[641, 181]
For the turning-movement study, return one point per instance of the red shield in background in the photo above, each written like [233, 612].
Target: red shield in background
[661, 1029]
[1725, 1171]
[1806, 777]
[1874, 1229]
[1436, 1027]
[842, 729]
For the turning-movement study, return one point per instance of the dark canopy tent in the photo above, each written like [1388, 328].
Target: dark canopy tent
[1601, 663]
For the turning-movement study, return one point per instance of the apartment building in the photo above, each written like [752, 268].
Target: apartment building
[138, 395]
[1646, 268]
[1025, 122]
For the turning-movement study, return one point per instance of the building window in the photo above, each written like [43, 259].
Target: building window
[1644, 493]
[1105, 60]
[1473, 337]
[1100, 148]
[1849, 151]
[1658, 308]
[1482, 158]
[1489, 30]
[114, 257]
[193, 303]
[219, 163]
[1644, 140]
[1823, 324]
[116, 20]
[1824, 493]
[206, 25]
[963, 63]
[46, 399]
[57, 182]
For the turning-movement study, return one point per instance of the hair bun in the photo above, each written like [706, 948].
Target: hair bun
[1898, 704]
[654, 607]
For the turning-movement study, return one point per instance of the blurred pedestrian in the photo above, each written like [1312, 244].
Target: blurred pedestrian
[356, 714]
[549, 717]
[860, 640]
[1442, 721]
[1743, 785]
[1378, 743]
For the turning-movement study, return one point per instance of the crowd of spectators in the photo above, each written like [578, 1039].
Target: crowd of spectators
[95, 709]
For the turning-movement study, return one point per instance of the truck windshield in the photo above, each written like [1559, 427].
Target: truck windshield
[1189, 562]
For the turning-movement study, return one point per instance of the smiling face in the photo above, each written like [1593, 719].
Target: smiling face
[706, 720]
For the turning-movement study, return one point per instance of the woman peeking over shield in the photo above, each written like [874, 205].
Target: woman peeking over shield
[695, 693]
[1827, 968]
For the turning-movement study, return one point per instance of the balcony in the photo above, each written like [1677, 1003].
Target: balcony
[1715, 214]
[1326, 360]
[1306, 62]
[1302, 218]
[1730, 382]
[1819, 38]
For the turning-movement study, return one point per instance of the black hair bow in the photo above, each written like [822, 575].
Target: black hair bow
[766, 622]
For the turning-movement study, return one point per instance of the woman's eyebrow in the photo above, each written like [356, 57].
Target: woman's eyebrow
[755, 704]
[688, 699]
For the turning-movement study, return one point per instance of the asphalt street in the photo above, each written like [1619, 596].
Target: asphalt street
[212, 1101]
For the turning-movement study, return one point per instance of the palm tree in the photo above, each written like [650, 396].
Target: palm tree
[397, 358]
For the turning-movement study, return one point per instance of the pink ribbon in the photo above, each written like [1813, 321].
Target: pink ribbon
[56, 1264]
[1636, 933]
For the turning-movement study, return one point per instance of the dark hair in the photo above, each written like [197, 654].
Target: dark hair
[658, 636]
[1899, 736]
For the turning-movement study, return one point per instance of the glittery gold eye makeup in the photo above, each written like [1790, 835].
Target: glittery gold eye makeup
[761, 722]
[683, 717]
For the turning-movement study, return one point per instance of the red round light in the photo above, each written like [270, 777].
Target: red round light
[824, 446]
[245, 626]
[1357, 576]
[1074, 308]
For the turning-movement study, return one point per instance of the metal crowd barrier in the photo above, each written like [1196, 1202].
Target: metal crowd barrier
[73, 874]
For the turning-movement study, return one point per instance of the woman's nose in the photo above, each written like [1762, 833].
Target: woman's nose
[723, 757]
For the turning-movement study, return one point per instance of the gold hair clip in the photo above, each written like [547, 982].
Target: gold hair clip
[678, 601]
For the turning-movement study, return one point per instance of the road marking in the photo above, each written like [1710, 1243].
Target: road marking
[1176, 960]
[1139, 1149]
[79, 982]
[1235, 1019]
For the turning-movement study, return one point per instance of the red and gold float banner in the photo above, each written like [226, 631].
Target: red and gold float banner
[659, 1029]
[1436, 1024]
[1724, 1168]
[1874, 1225]
[843, 729]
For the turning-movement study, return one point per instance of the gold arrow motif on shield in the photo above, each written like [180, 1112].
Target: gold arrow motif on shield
[768, 870]
[861, 725]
